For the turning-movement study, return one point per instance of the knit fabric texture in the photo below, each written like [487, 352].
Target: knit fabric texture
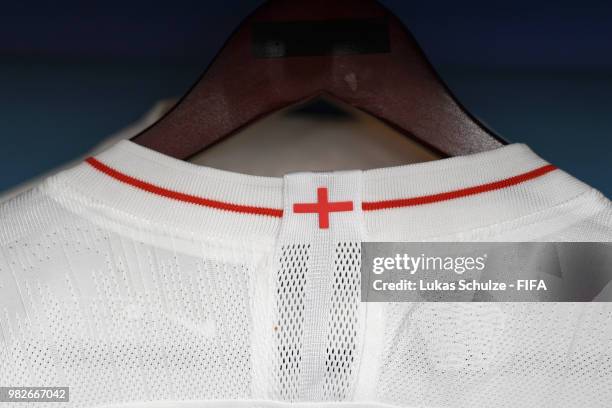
[140, 280]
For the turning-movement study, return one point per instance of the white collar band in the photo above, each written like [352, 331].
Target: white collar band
[418, 200]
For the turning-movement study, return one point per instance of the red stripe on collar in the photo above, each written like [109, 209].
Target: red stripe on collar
[464, 192]
[277, 212]
[175, 195]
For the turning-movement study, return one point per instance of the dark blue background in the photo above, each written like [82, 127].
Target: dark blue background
[71, 74]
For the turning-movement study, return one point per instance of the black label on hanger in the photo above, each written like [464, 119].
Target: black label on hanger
[329, 37]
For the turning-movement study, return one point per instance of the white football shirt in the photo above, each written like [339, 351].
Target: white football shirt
[139, 280]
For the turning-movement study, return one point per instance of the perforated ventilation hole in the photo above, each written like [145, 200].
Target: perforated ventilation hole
[290, 291]
[343, 322]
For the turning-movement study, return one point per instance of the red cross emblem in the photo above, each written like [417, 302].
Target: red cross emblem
[323, 207]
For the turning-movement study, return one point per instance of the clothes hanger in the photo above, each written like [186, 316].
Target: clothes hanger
[290, 51]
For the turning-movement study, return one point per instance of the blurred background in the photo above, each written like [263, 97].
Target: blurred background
[71, 74]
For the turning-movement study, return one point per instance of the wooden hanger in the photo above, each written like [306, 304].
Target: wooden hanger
[289, 51]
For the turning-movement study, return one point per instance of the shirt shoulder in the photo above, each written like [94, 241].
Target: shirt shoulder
[29, 214]
[591, 221]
